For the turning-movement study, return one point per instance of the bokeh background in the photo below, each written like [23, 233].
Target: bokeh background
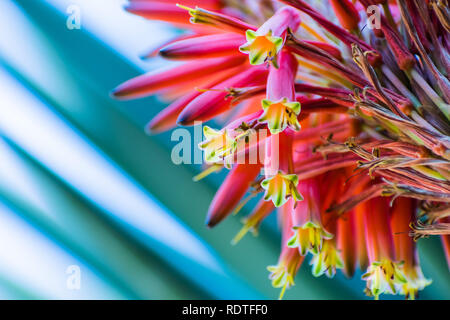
[82, 184]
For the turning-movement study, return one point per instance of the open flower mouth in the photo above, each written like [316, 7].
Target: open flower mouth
[280, 187]
[261, 48]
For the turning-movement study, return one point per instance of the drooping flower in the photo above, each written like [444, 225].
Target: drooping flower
[282, 274]
[231, 192]
[384, 274]
[261, 48]
[346, 13]
[308, 230]
[327, 260]
[347, 242]
[281, 181]
[383, 277]
[281, 186]
[280, 108]
[265, 43]
[401, 216]
[156, 82]
[218, 144]
[218, 99]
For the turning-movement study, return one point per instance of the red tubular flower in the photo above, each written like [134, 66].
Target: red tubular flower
[280, 105]
[231, 192]
[280, 111]
[384, 274]
[346, 13]
[209, 46]
[155, 51]
[309, 232]
[347, 242]
[214, 102]
[168, 117]
[159, 11]
[167, 10]
[405, 249]
[280, 183]
[281, 81]
[327, 258]
[280, 108]
[360, 236]
[157, 81]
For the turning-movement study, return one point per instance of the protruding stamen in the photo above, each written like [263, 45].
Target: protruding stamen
[384, 277]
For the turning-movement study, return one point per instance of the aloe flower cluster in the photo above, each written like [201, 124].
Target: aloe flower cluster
[353, 97]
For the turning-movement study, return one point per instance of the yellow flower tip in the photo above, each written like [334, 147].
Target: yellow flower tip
[327, 261]
[280, 114]
[218, 145]
[309, 238]
[384, 277]
[281, 278]
[280, 187]
[261, 48]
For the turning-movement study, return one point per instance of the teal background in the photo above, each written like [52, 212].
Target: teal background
[99, 193]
